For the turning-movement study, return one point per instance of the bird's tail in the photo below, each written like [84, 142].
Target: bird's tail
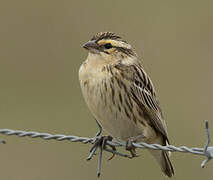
[162, 158]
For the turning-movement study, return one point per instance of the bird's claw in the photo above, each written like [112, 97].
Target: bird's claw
[101, 142]
[131, 148]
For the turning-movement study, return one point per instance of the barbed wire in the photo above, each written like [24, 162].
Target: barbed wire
[106, 143]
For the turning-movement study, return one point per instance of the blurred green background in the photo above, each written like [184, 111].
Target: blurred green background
[40, 54]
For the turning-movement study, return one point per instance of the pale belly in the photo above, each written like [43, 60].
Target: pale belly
[111, 119]
[114, 121]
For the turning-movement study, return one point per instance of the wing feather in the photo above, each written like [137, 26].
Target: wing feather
[143, 93]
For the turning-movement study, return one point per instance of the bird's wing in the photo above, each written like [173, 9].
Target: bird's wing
[143, 93]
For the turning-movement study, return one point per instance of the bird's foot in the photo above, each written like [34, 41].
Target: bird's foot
[130, 147]
[101, 142]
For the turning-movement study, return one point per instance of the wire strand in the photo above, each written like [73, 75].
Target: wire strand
[205, 151]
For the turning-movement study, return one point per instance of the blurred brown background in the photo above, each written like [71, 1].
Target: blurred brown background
[40, 54]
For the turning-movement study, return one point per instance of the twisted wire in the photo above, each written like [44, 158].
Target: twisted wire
[85, 140]
[205, 151]
[46, 136]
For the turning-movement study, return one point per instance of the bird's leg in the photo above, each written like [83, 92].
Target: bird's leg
[96, 141]
[99, 129]
[100, 141]
[130, 147]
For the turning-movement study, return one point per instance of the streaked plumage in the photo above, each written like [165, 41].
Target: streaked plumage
[120, 94]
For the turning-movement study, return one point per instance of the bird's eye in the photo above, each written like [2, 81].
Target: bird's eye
[108, 45]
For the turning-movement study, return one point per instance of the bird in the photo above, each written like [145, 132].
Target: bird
[121, 96]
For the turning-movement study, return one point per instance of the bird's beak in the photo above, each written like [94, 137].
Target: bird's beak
[91, 45]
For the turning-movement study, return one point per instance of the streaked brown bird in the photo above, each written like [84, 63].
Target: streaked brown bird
[121, 95]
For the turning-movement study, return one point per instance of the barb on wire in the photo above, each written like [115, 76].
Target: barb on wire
[207, 150]
[103, 142]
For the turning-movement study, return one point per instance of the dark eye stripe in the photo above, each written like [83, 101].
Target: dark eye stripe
[108, 45]
[105, 47]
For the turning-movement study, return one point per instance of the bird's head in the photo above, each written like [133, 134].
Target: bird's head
[108, 44]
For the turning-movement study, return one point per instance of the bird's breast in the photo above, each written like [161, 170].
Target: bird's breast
[110, 104]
